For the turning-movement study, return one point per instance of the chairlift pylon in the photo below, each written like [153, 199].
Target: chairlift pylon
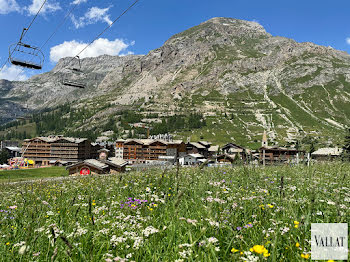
[68, 82]
[33, 57]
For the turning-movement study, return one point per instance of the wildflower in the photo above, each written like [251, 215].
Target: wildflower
[306, 256]
[238, 228]
[260, 249]
[233, 250]
[22, 250]
[12, 207]
[8, 243]
[212, 240]
[149, 231]
[297, 244]
[296, 224]
[36, 254]
[270, 206]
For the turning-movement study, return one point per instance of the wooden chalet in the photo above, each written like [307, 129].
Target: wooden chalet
[274, 155]
[147, 150]
[327, 154]
[196, 148]
[94, 167]
[45, 149]
[233, 150]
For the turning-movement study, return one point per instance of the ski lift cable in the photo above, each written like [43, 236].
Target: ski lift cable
[25, 31]
[100, 34]
[55, 31]
[60, 24]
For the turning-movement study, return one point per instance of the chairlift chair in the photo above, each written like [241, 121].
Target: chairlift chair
[33, 56]
[68, 82]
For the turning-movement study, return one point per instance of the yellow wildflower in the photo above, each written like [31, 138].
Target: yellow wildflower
[259, 249]
[296, 226]
[8, 243]
[297, 244]
[270, 206]
[233, 250]
[296, 223]
[306, 256]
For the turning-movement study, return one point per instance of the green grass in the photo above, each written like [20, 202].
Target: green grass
[28, 174]
[194, 215]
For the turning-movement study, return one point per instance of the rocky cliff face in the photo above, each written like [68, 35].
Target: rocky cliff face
[46, 90]
[222, 66]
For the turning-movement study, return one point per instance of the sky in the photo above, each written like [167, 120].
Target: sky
[151, 22]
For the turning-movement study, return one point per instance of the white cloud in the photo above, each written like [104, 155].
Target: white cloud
[348, 40]
[49, 7]
[78, 2]
[92, 16]
[13, 73]
[7, 6]
[101, 46]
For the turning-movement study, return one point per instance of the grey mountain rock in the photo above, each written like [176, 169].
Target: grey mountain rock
[288, 84]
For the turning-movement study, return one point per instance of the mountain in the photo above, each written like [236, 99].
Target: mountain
[241, 79]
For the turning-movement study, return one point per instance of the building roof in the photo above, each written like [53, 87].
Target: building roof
[205, 143]
[230, 145]
[96, 163]
[151, 141]
[13, 148]
[197, 145]
[213, 148]
[116, 161]
[51, 139]
[196, 155]
[328, 151]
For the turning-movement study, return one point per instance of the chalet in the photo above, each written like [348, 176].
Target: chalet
[103, 165]
[233, 150]
[274, 154]
[148, 150]
[191, 159]
[270, 155]
[45, 149]
[213, 150]
[196, 148]
[329, 154]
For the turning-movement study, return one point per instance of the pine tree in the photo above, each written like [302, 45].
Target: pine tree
[4, 155]
[346, 147]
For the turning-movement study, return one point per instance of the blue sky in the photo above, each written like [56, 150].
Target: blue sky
[151, 22]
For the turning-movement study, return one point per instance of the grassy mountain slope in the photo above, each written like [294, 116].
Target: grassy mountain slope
[236, 77]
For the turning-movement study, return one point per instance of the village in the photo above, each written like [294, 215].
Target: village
[80, 156]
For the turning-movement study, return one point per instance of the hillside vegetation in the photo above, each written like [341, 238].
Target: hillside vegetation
[234, 74]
